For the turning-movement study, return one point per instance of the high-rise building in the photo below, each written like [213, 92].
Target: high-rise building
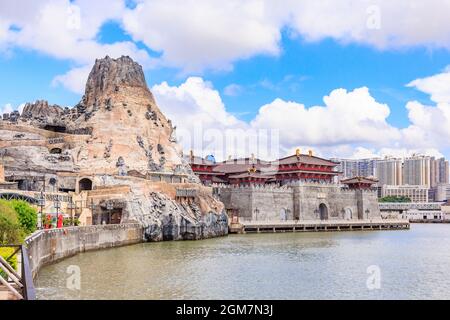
[439, 176]
[442, 192]
[414, 193]
[417, 171]
[389, 172]
[442, 171]
[356, 168]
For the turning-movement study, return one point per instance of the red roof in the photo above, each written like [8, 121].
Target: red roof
[251, 175]
[241, 165]
[307, 160]
[366, 180]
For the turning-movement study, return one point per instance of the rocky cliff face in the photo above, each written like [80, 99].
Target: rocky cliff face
[116, 135]
[41, 114]
[120, 113]
[110, 75]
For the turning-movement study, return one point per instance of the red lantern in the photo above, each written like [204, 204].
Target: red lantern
[60, 221]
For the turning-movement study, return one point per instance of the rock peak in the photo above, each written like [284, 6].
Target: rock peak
[109, 75]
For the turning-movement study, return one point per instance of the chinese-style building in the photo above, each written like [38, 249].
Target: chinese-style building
[297, 187]
[243, 171]
[360, 182]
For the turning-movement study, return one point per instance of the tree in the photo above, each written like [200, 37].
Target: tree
[26, 214]
[11, 231]
[395, 199]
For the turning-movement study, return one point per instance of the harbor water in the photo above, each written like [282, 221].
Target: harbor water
[408, 264]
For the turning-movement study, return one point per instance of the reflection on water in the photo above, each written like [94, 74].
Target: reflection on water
[414, 264]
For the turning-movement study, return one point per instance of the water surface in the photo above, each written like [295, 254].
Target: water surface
[413, 264]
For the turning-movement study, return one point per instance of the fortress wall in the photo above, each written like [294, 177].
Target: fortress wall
[371, 203]
[273, 205]
[341, 204]
[239, 199]
[301, 201]
[269, 201]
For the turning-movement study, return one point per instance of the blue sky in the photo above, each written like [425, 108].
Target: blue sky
[287, 61]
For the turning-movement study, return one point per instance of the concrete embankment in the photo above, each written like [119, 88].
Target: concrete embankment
[48, 246]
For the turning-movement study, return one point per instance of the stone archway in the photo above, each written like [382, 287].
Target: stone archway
[84, 184]
[323, 211]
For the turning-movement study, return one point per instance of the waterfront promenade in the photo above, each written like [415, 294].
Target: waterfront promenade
[318, 225]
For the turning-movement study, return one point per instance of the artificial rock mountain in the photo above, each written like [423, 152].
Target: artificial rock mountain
[118, 138]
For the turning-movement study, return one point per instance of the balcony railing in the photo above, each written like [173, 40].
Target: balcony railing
[20, 286]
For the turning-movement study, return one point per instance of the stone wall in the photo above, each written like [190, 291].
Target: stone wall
[259, 203]
[48, 246]
[302, 201]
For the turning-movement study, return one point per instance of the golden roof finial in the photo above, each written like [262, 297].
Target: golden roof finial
[310, 152]
[298, 152]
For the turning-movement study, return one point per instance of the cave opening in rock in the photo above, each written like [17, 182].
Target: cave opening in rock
[56, 151]
[85, 184]
[55, 128]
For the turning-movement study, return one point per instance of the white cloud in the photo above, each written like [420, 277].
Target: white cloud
[380, 23]
[20, 107]
[370, 153]
[203, 124]
[198, 34]
[194, 101]
[194, 35]
[233, 90]
[65, 30]
[430, 124]
[7, 108]
[347, 118]
[74, 80]
[437, 86]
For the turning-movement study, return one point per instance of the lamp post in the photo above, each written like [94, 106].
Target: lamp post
[92, 207]
[41, 204]
[256, 213]
[57, 205]
[71, 206]
[109, 207]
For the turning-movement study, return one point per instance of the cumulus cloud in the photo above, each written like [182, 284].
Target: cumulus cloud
[203, 123]
[7, 108]
[233, 90]
[216, 33]
[350, 123]
[66, 30]
[74, 80]
[437, 86]
[346, 118]
[380, 23]
[198, 34]
[195, 35]
[372, 153]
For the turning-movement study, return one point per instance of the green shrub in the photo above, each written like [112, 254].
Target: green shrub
[27, 215]
[6, 253]
[67, 222]
[395, 199]
[11, 231]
